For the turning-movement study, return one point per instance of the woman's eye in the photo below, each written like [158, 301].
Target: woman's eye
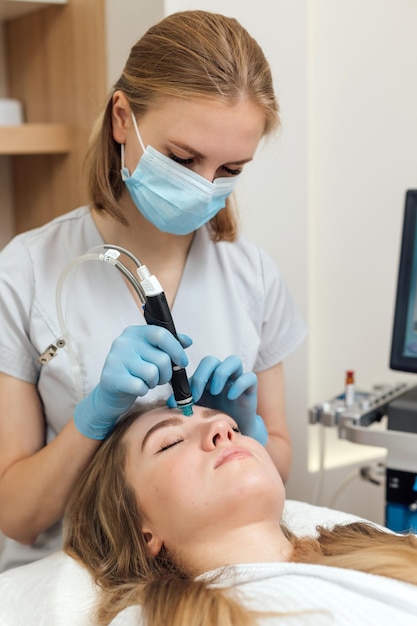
[232, 172]
[170, 445]
[236, 429]
[179, 160]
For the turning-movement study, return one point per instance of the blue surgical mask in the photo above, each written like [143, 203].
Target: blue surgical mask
[173, 198]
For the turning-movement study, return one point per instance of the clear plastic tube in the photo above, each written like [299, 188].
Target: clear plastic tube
[98, 253]
[74, 366]
[108, 246]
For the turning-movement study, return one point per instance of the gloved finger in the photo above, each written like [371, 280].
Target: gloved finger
[138, 387]
[171, 402]
[228, 370]
[165, 340]
[151, 364]
[129, 386]
[202, 375]
[184, 340]
[138, 359]
[258, 430]
[161, 359]
[128, 375]
[156, 336]
[247, 384]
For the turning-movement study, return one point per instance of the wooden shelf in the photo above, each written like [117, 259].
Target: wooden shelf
[35, 139]
[55, 65]
[10, 9]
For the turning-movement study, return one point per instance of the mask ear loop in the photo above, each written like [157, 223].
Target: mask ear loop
[124, 172]
[135, 124]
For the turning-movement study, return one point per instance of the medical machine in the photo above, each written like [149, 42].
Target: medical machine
[386, 416]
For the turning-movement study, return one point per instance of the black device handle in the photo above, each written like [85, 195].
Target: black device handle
[157, 312]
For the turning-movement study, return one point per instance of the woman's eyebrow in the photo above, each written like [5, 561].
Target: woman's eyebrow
[169, 421]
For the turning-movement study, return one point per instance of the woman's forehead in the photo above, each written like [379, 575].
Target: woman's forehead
[148, 419]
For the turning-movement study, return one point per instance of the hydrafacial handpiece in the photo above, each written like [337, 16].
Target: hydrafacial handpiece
[154, 304]
[156, 311]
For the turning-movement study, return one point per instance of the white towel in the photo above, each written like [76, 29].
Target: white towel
[54, 591]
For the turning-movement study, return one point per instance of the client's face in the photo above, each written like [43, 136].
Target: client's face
[198, 475]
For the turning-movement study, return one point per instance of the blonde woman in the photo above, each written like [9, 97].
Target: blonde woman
[178, 520]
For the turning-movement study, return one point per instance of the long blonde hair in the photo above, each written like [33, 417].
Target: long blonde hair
[189, 54]
[102, 531]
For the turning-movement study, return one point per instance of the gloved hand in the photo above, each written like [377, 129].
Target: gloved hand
[222, 385]
[139, 360]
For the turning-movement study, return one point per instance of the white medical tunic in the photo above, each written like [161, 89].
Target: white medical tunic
[231, 300]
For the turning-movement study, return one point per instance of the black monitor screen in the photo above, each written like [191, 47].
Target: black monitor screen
[404, 335]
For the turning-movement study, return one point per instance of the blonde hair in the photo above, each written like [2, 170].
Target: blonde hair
[102, 530]
[189, 54]
[360, 546]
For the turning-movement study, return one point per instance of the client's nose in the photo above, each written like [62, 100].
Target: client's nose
[217, 431]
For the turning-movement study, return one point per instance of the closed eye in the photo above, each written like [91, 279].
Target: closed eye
[231, 171]
[177, 159]
[169, 445]
[187, 161]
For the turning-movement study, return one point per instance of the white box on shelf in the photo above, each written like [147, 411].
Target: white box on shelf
[11, 112]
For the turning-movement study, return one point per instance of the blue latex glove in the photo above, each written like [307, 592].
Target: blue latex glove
[139, 360]
[222, 385]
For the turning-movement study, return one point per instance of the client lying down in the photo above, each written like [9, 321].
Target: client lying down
[178, 520]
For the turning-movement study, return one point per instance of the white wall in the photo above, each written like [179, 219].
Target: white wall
[126, 21]
[363, 138]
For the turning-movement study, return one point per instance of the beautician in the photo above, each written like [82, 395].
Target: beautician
[186, 116]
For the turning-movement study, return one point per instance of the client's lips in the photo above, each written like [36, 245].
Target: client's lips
[232, 453]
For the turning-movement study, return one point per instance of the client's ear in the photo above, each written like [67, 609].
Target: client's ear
[153, 542]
